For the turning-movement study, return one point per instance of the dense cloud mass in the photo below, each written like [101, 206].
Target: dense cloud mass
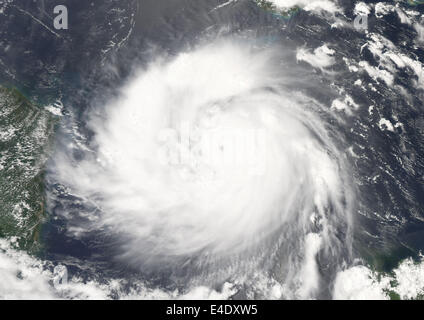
[209, 155]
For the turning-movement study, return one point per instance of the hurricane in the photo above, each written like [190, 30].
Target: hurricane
[210, 161]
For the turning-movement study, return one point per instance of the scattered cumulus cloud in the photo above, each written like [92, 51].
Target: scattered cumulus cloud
[320, 58]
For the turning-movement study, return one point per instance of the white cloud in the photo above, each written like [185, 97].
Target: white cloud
[309, 5]
[382, 9]
[385, 124]
[390, 58]
[309, 274]
[376, 73]
[361, 8]
[360, 282]
[23, 277]
[321, 57]
[420, 30]
[346, 105]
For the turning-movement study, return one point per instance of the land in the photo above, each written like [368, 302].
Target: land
[26, 137]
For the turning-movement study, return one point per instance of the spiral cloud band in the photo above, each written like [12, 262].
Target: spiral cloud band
[209, 155]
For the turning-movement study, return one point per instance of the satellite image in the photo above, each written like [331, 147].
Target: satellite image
[211, 150]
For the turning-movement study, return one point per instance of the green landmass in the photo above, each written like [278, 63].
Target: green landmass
[383, 264]
[385, 260]
[415, 2]
[285, 13]
[26, 135]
